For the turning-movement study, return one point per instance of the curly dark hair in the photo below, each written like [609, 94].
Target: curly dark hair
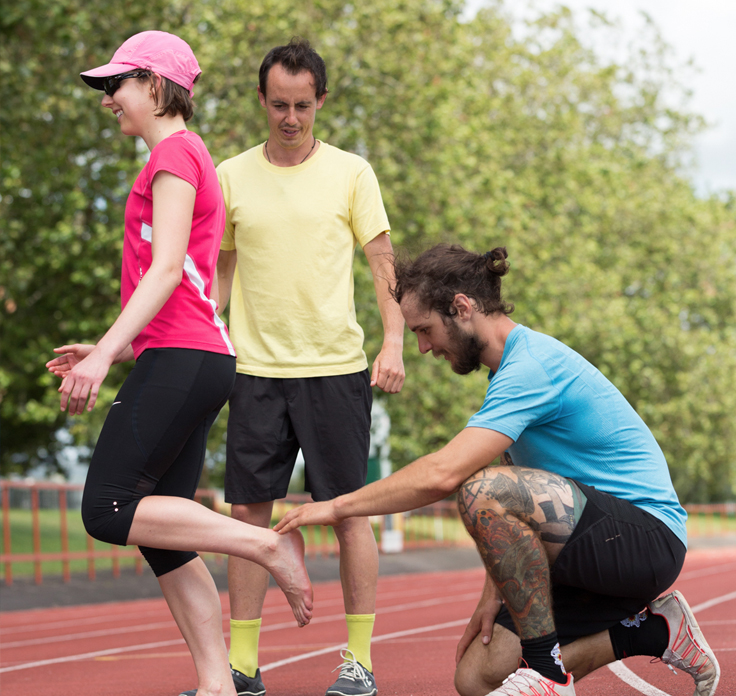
[445, 270]
[296, 56]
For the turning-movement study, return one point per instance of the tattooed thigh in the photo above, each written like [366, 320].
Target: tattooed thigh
[550, 504]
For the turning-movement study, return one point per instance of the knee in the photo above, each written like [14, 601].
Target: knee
[466, 684]
[98, 526]
[258, 514]
[163, 561]
[108, 522]
[471, 680]
[477, 498]
[352, 529]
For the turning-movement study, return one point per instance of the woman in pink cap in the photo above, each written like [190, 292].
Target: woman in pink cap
[148, 459]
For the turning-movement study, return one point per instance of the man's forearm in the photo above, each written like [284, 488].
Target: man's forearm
[412, 487]
[379, 253]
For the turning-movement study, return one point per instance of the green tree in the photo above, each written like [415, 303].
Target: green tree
[479, 133]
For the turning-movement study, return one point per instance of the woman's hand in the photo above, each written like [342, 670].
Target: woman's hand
[69, 358]
[83, 377]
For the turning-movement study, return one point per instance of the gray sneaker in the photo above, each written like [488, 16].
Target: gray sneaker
[354, 679]
[244, 685]
[687, 649]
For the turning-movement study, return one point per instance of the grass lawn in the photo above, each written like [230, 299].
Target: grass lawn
[21, 541]
[416, 528]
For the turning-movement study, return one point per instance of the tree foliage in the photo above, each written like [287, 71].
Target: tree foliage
[482, 132]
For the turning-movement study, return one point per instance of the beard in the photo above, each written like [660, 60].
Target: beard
[465, 351]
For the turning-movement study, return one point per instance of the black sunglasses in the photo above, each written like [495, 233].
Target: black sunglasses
[111, 84]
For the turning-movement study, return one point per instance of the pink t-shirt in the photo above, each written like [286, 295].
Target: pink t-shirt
[189, 318]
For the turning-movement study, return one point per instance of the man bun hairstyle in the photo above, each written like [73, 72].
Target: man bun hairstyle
[445, 270]
[296, 56]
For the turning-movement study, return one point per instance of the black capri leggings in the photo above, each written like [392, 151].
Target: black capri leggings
[153, 442]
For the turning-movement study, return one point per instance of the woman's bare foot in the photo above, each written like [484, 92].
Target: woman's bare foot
[290, 573]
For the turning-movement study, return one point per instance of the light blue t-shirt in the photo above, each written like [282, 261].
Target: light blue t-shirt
[564, 416]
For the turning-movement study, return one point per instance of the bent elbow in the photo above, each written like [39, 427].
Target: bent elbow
[443, 481]
[171, 277]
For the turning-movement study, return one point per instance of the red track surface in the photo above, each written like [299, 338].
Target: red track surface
[135, 649]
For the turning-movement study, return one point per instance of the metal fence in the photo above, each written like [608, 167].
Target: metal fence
[713, 520]
[435, 525]
[432, 526]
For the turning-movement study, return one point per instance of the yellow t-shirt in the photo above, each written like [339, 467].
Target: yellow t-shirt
[295, 229]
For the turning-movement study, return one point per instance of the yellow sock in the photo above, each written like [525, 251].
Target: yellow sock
[360, 630]
[244, 637]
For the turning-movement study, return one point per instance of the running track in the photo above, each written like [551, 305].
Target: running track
[134, 648]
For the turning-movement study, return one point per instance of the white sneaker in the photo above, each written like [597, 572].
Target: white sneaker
[529, 682]
[687, 649]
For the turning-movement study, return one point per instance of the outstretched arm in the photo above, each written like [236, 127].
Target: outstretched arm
[424, 481]
[173, 205]
[388, 367]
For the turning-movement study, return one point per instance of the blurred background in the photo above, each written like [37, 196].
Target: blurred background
[597, 145]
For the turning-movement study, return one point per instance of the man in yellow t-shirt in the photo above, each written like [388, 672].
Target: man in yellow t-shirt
[296, 209]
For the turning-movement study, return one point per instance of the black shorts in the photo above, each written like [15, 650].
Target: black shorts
[329, 418]
[618, 559]
[154, 442]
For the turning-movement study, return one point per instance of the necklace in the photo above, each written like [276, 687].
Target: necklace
[265, 147]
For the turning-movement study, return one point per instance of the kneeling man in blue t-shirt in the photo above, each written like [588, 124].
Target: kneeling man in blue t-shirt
[579, 527]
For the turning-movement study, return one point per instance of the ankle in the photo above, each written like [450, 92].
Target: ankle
[642, 634]
[543, 656]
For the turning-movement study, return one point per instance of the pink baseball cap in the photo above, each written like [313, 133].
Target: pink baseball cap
[157, 51]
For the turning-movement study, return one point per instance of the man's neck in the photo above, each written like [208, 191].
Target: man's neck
[283, 157]
[494, 330]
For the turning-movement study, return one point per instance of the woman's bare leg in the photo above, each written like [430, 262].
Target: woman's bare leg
[182, 525]
[193, 600]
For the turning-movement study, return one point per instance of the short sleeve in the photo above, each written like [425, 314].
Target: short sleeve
[515, 402]
[228, 236]
[179, 157]
[368, 216]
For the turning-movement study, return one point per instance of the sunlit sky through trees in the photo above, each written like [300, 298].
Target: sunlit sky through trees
[702, 31]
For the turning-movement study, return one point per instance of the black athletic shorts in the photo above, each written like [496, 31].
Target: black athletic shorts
[153, 441]
[618, 559]
[329, 418]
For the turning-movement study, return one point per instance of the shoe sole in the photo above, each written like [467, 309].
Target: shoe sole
[193, 692]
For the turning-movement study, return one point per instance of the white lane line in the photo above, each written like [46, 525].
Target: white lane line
[636, 682]
[113, 631]
[713, 602]
[273, 627]
[376, 639]
[715, 570]
[91, 655]
[29, 627]
[89, 634]
[164, 612]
